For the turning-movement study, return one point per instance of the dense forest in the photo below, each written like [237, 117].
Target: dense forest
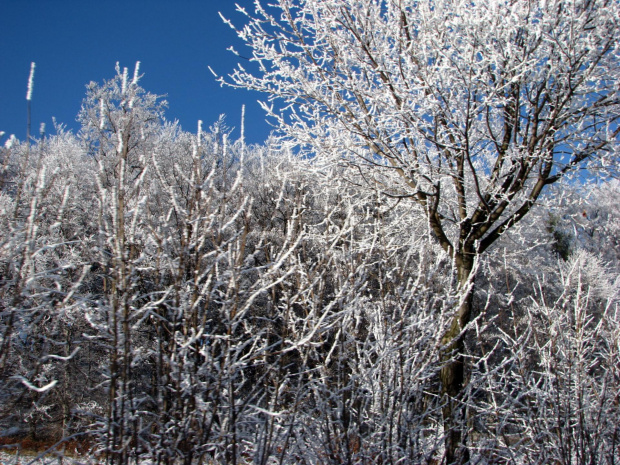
[399, 275]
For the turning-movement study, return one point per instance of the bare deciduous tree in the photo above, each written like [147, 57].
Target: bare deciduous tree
[472, 108]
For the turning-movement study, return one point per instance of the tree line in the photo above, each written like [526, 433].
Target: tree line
[407, 273]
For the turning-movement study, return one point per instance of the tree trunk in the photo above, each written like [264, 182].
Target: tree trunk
[452, 374]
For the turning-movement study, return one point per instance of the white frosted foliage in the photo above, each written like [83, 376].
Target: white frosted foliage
[124, 81]
[136, 75]
[182, 297]
[30, 82]
[10, 141]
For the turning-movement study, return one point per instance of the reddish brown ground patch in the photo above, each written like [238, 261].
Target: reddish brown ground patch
[32, 446]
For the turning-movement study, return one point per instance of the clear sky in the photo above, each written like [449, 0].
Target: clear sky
[74, 42]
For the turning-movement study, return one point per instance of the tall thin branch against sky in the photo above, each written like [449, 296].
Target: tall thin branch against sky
[30, 82]
[72, 45]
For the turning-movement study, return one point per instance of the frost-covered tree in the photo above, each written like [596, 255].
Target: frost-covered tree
[466, 109]
[45, 252]
[587, 216]
[552, 396]
[181, 297]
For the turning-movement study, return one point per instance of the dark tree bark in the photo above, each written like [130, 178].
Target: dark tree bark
[452, 374]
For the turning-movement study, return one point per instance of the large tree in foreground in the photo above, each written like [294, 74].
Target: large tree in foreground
[468, 109]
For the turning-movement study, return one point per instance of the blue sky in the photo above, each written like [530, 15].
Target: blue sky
[74, 42]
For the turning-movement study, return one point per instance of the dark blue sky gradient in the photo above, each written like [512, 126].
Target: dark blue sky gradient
[74, 42]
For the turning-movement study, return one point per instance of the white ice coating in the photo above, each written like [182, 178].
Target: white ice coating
[30, 82]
